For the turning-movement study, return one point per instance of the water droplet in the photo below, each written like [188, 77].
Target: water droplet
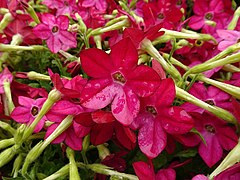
[176, 129]
[166, 126]
[97, 85]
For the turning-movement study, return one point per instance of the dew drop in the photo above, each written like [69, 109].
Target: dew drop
[97, 85]
[166, 126]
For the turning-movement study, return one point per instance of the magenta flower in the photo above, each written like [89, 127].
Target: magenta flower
[204, 10]
[100, 5]
[62, 7]
[28, 110]
[72, 136]
[217, 134]
[117, 80]
[228, 38]
[145, 171]
[158, 117]
[210, 95]
[55, 31]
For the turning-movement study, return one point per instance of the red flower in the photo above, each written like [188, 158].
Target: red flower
[117, 80]
[157, 117]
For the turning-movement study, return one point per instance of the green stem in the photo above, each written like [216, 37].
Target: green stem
[234, 21]
[73, 169]
[232, 158]
[219, 112]
[59, 174]
[9, 48]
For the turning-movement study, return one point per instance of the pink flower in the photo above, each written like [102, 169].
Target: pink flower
[100, 5]
[62, 7]
[117, 80]
[158, 117]
[213, 10]
[28, 110]
[200, 177]
[210, 95]
[217, 134]
[228, 38]
[54, 31]
[72, 136]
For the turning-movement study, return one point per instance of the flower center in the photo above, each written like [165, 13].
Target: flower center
[210, 128]
[161, 16]
[209, 16]
[179, 2]
[198, 42]
[55, 29]
[117, 76]
[152, 110]
[66, 3]
[34, 110]
[210, 102]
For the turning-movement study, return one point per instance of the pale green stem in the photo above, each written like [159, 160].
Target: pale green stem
[219, 112]
[73, 169]
[177, 34]
[64, 171]
[228, 88]
[7, 91]
[210, 65]
[9, 48]
[232, 158]
[116, 26]
[234, 21]
[37, 150]
[229, 50]
[151, 50]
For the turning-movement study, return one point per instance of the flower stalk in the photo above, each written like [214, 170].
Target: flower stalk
[73, 169]
[232, 158]
[232, 25]
[219, 112]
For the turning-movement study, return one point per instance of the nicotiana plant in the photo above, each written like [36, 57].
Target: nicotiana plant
[119, 89]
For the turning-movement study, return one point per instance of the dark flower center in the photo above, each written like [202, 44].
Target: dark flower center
[198, 42]
[161, 16]
[55, 29]
[34, 110]
[210, 102]
[66, 3]
[179, 2]
[117, 76]
[152, 110]
[209, 16]
[210, 128]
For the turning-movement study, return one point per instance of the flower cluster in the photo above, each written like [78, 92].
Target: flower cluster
[130, 81]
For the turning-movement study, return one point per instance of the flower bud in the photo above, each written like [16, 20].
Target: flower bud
[60, 173]
[7, 155]
[6, 142]
[17, 165]
[7, 18]
[103, 151]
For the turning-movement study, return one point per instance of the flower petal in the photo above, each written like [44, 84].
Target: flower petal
[175, 120]
[166, 174]
[96, 63]
[97, 94]
[42, 31]
[125, 106]
[151, 138]
[143, 80]
[124, 54]
[212, 152]
[143, 170]
[101, 133]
